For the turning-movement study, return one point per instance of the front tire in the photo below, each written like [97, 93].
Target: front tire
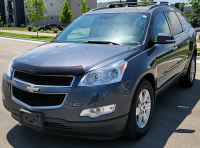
[141, 111]
[189, 78]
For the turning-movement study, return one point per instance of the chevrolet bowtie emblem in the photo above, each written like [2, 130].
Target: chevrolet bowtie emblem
[32, 89]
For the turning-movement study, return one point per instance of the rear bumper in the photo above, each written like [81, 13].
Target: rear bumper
[102, 130]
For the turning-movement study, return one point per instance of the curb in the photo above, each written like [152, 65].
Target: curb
[25, 39]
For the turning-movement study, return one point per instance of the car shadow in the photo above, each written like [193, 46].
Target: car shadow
[172, 107]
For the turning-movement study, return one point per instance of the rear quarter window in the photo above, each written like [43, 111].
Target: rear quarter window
[174, 21]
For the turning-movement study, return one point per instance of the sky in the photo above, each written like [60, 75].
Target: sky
[171, 1]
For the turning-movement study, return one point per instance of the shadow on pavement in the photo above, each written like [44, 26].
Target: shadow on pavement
[172, 107]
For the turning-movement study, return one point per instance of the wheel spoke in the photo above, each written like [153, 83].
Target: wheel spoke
[145, 119]
[137, 111]
[145, 95]
[140, 98]
[140, 120]
[148, 105]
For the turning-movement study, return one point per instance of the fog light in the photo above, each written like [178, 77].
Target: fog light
[3, 96]
[96, 112]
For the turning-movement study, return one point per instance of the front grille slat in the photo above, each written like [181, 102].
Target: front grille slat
[38, 99]
[43, 80]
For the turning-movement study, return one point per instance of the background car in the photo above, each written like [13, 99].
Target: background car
[50, 26]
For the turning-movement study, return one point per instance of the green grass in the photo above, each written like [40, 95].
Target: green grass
[198, 49]
[14, 28]
[24, 36]
[20, 29]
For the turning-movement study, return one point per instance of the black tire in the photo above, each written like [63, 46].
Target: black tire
[132, 129]
[186, 80]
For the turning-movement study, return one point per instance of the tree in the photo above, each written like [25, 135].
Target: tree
[66, 15]
[196, 7]
[36, 10]
[84, 8]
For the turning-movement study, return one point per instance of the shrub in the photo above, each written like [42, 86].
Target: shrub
[52, 29]
[22, 25]
[47, 31]
[1, 23]
[56, 30]
[5, 25]
[30, 27]
[34, 29]
[41, 30]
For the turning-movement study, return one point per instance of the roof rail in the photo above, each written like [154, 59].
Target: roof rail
[95, 9]
[136, 4]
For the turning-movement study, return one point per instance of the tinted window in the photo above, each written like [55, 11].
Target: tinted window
[184, 22]
[160, 25]
[174, 21]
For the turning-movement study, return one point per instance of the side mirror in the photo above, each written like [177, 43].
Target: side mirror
[165, 38]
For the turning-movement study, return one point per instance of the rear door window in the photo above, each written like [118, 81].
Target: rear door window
[174, 21]
[160, 25]
[183, 20]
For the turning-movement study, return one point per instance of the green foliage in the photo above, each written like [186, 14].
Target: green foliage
[1, 22]
[41, 30]
[34, 29]
[56, 30]
[66, 15]
[25, 36]
[6, 25]
[196, 7]
[47, 31]
[36, 10]
[30, 27]
[84, 8]
[22, 25]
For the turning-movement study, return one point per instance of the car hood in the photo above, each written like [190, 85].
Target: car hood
[70, 55]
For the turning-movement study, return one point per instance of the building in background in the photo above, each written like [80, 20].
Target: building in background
[2, 10]
[105, 4]
[15, 13]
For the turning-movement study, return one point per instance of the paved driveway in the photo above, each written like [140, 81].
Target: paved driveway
[176, 122]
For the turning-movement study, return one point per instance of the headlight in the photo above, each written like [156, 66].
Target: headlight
[9, 69]
[109, 74]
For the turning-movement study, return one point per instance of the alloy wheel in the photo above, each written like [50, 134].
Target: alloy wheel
[143, 108]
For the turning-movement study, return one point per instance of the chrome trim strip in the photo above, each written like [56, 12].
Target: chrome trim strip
[167, 83]
[41, 107]
[27, 83]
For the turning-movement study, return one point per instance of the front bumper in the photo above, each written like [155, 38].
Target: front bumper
[68, 116]
[102, 130]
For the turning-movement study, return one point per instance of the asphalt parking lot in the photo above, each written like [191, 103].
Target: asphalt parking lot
[176, 122]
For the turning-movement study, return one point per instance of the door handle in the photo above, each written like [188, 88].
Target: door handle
[175, 47]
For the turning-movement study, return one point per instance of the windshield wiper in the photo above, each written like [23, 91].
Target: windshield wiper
[103, 42]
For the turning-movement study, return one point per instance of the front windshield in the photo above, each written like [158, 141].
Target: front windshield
[122, 28]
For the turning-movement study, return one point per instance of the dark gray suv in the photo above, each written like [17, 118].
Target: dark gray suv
[100, 77]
